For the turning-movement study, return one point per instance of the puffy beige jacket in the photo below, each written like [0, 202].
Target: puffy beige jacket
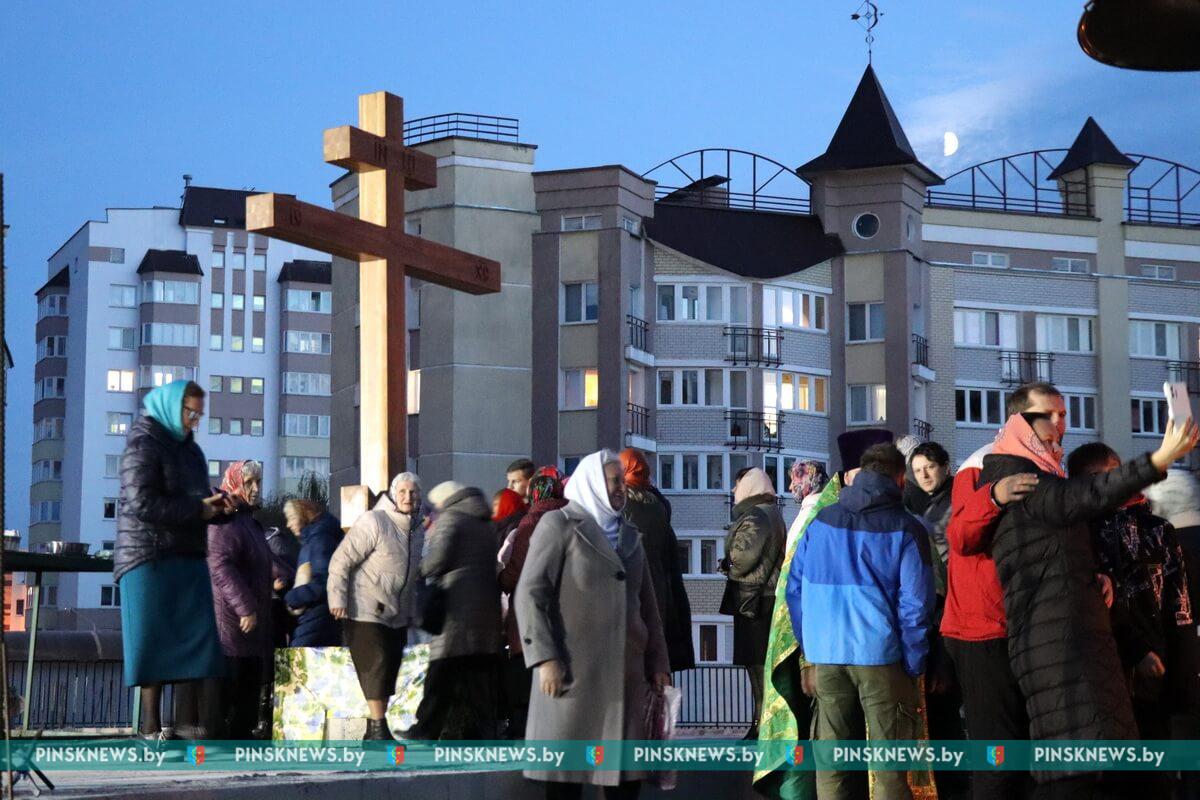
[374, 571]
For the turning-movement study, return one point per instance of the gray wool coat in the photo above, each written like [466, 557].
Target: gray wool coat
[593, 609]
[461, 556]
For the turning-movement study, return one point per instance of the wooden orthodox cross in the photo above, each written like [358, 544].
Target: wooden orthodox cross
[385, 254]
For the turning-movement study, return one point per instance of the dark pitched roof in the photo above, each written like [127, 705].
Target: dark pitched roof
[869, 135]
[61, 278]
[170, 261]
[1092, 146]
[214, 208]
[306, 271]
[754, 244]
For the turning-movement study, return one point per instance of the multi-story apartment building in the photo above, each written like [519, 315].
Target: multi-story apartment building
[149, 295]
[749, 314]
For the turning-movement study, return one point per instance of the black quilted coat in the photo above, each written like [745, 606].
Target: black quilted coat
[163, 486]
[1059, 637]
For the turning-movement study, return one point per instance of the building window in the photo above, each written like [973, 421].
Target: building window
[110, 595]
[258, 261]
[218, 300]
[1076, 265]
[112, 466]
[310, 425]
[979, 406]
[235, 427]
[868, 404]
[110, 508]
[45, 511]
[256, 385]
[214, 468]
[214, 425]
[48, 428]
[153, 375]
[864, 322]
[308, 342]
[118, 423]
[702, 302]
[170, 334]
[52, 347]
[666, 472]
[1081, 412]
[122, 338]
[788, 308]
[586, 222]
[215, 382]
[976, 328]
[778, 469]
[237, 344]
[866, 226]
[236, 385]
[239, 302]
[414, 391]
[696, 387]
[1153, 339]
[570, 464]
[47, 470]
[218, 259]
[315, 384]
[630, 224]
[122, 296]
[239, 259]
[582, 388]
[299, 466]
[581, 302]
[666, 303]
[997, 260]
[1148, 415]
[258, 344]
[49, 388]
[260, 302]
[1159, 272]
[256, 427]
[311, 302]
[791, 391]
[181, 292]
[1064, 334]
[120, 380]
[700, 557]
[214, 341]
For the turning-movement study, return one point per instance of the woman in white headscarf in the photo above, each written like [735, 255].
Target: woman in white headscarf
[753, 556]
[589, 624]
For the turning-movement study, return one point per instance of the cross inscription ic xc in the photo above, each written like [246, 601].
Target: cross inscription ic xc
[386, 254]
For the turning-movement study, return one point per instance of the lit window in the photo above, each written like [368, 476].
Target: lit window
[414, 391]
[235, 385]
[582, 388]
[237, 344]
[214, 468]
[258, 344]
[256, 386]
[120, 380]
[118, 423]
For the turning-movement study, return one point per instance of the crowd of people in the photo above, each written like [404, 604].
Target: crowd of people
[1020, 598]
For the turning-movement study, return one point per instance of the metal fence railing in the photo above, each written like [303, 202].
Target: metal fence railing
[715, 696]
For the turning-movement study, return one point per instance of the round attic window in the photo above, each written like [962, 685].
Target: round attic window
[866, 226]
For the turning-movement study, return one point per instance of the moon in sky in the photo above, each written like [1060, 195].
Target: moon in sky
[949, 144]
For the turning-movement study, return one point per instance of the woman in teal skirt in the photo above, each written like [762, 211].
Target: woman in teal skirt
[168, 626]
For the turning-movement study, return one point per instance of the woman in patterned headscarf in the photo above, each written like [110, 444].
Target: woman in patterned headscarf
[546, 495]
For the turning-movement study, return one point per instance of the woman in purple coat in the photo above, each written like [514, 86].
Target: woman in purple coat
[241, 567]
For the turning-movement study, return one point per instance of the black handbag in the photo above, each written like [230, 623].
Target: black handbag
[431, 607]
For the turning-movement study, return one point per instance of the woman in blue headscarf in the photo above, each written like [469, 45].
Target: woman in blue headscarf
[168, 626]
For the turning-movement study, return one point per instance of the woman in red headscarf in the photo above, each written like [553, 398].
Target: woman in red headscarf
[507, 509]
[240, 564]
[646, 510]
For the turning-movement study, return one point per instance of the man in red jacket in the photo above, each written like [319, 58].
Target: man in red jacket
[973, 624]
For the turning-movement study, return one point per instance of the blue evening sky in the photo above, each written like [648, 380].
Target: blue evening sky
[108, 104]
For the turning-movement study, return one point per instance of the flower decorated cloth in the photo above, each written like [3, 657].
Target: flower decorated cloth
[316, 687]
[787, 711]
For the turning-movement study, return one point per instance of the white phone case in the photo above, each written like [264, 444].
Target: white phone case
[1179, 405]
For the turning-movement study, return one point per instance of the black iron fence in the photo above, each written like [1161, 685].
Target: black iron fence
[1019, 366]
[639, 333]
[922, 429]
[748, 346]
[754, 430]
[639, 419]
[715, 696]
[920, 350]
[467, 126]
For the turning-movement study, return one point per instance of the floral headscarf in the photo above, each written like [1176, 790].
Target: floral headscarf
[803, 482]
[547, 483]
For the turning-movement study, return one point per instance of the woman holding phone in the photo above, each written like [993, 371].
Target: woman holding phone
[168, 626]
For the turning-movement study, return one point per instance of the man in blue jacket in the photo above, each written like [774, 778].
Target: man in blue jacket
[860, 592]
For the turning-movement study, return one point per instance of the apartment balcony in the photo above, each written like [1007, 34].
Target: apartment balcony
[1021, 366]
[920, 359]
[637, 428]
[754, 430]
[1186, 372]
[922, 429]
[754, 346]
[638, 343]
